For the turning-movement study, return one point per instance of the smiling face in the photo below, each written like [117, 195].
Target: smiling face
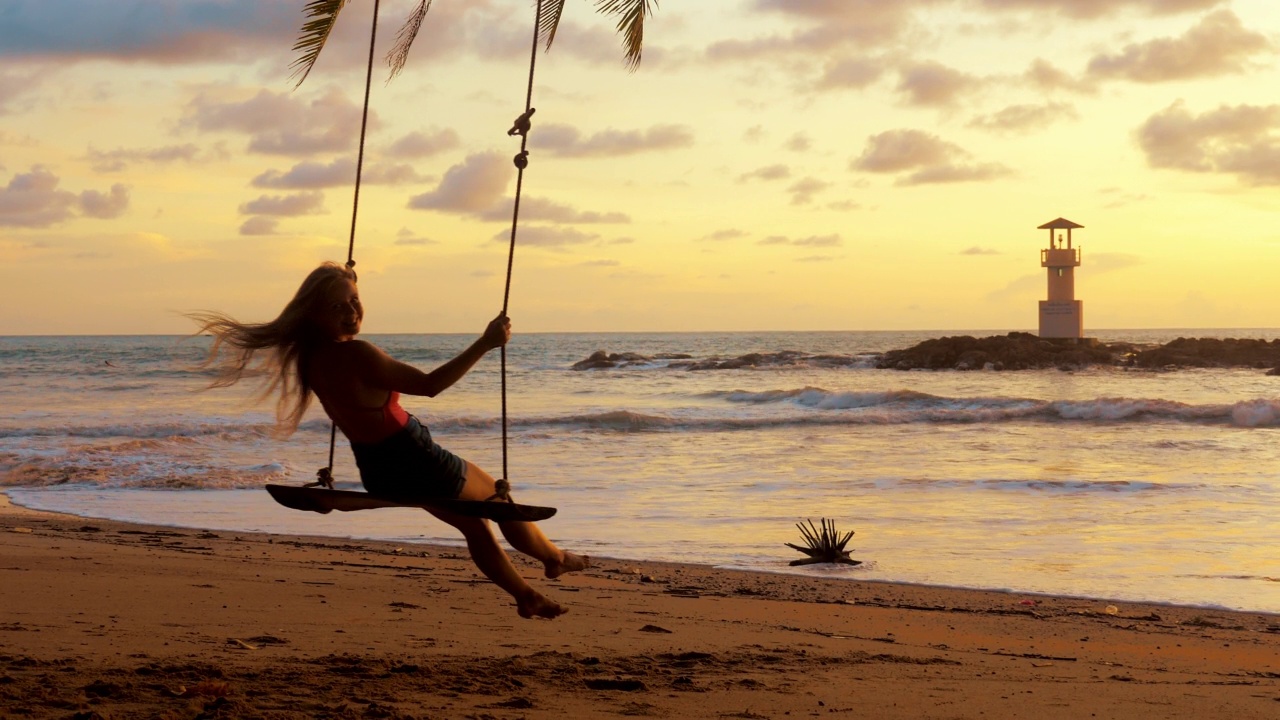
[340, 313]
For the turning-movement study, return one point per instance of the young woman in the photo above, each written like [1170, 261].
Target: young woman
[311, 347]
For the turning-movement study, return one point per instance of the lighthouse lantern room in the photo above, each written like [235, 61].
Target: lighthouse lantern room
[1061, 316]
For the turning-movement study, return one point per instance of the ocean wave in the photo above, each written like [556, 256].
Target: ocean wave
[602, 360]
[167, 430]
[906, 406]
[1067, 486]
[155, 473]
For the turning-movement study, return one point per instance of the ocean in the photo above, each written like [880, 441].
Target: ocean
[1106, 483]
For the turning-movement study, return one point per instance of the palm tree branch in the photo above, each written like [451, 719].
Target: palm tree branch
[549, 20]
[321, 16]
[399, 54]
[631, 15]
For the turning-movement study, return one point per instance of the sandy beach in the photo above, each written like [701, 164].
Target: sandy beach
[108, 620]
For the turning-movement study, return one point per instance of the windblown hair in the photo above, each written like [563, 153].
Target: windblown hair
[283, 346]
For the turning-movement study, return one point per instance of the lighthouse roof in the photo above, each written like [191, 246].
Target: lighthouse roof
[1059, 224]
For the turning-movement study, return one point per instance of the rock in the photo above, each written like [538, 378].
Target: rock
[1015, 351]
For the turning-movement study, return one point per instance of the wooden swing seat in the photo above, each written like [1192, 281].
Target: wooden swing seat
[323, 500]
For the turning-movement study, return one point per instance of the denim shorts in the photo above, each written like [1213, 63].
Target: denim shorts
[410, 465]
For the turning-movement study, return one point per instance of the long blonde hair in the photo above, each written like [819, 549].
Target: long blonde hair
[285, 345]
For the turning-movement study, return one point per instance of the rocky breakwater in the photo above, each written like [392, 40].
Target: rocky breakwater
[1015, 351]
[1212, 352]
[1024, 351]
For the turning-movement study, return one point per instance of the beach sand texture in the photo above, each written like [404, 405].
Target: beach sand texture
[108, 620]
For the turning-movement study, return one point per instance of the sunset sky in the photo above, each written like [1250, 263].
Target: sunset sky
[771, 165]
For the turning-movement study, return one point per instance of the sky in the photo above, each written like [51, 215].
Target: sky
[770, 165]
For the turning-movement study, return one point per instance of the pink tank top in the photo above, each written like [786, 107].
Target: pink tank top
[393, 416]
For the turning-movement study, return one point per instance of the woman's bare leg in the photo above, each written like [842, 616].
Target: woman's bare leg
[526, 537]
[492, 560]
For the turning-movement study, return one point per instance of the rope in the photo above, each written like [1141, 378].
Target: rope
[324, 476]
[520, 127]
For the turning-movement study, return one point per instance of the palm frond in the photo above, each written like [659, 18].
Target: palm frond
[549, 20]
[321, 16]
[399, 54]
[630, 23]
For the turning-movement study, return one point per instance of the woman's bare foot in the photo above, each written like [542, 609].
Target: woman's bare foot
[536, 605]
[568, 562]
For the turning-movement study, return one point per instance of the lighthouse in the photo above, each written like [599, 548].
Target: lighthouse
[1062, 315]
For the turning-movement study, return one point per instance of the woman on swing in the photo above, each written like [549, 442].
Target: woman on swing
[311, 347]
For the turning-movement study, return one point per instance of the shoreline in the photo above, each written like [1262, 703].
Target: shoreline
[459, 546]
[1101, 601]
[126, 620]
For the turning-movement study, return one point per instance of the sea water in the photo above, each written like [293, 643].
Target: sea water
[1106, 483]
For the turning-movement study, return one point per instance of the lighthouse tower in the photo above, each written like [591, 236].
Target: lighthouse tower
[1062, 315]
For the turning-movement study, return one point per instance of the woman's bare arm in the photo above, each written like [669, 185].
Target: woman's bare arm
[383, 371]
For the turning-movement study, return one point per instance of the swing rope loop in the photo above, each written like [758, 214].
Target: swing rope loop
[520, 127]
[324, 476]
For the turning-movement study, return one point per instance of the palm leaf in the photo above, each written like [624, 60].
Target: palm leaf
[549, 20]
[399, 54]
[630, 23]
[321, 17]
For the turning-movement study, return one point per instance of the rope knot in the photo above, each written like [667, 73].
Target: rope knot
[522, 124]
[501, 490]
[324, 478]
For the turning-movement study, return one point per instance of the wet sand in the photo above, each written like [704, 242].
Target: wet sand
[107, 620]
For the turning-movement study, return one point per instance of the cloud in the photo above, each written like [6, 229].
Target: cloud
[309, 175]
[898, 150]
[1243, 140]
[105, 205]
[33, 200]
[1120, 197]
[768, 172]
[723, 235]
[474, 186]
[405, 236]
[595, 44]
[259, 225]
[305, 203]
[340, 172]
[1091, 9]
[567, 141]
[281, 124]
[833, 240]
[543, 236]
[14, 85]
[832, 24]
[846, 73]
[1027, 285]
[120, 158]
[1024, 118]
[975, 250]
[802, 191]
[542, 209]
[1218, 45]
[146, 30]
[1044, 76]
[799, 142]
[932, 84]
[932, 159]
[425, 144]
